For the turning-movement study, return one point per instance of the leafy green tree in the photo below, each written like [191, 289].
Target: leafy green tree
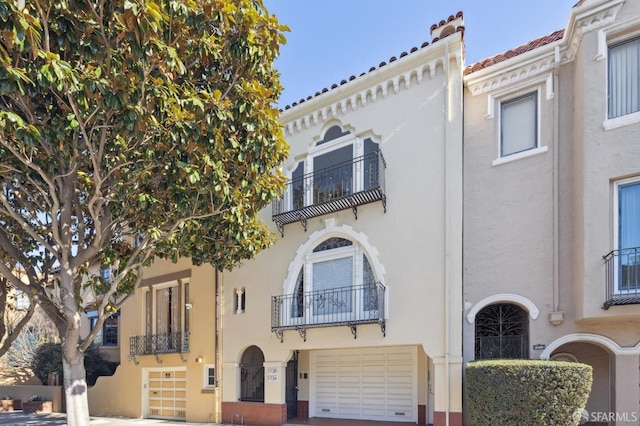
[131, 129]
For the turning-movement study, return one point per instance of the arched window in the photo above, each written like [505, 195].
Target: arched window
[502, 331]
[252, 375]
[335, 283]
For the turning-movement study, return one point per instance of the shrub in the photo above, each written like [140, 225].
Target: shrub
[6, 398]
[48, 359]
[527, 392]
[36, 398]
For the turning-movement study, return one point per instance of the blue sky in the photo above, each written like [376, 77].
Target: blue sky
[331, 40]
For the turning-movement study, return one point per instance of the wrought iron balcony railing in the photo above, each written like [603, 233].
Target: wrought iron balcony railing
[348, 306]
[155, 344]
[622, 269]
[343, 186]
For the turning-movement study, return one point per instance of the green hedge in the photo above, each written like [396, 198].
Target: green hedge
[527, 392]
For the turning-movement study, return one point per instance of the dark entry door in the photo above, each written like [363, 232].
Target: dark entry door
[292, 387]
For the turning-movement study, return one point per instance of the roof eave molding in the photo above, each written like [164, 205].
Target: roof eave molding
[374, 85]
[583, 18]
[587, 17]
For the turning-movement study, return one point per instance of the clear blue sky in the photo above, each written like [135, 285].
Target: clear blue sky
[331, 40]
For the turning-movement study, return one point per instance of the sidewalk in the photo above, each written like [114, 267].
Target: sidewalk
[17, 418]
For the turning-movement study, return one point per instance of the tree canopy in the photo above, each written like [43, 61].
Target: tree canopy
[131, 129]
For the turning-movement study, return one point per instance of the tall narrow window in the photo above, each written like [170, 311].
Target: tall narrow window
[519, 124]
[502, 331]
[629, 236]
[624, 78]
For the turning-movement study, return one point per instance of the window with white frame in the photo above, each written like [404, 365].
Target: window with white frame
[166, 308]
[519, 124]
[337, 166]
[336, 283]
[624, 78]
[209, 376]
[627, 224]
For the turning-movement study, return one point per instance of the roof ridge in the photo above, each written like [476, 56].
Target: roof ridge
[527, 47]
[383, 63]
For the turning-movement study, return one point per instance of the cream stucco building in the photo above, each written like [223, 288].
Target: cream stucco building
[552, 203]
[355, 311]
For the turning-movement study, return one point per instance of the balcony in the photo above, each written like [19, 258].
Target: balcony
[155, 344]
[622, 269]
[343, 186]
[346, 306]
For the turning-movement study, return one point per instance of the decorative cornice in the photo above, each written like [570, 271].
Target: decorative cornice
[583, 18]
[375, 85]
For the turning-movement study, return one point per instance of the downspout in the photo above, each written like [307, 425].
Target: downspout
[447, 272]
[216, 339]
[556, 185]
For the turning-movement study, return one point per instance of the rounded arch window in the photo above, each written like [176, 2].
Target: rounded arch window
[252, 375]
[502, 331]
[335, 283]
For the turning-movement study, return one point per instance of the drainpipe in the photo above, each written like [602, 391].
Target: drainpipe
[556, 184]
[218, 305]
[447, 273]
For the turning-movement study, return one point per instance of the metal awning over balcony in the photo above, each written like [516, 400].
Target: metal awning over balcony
[345, 306]
[343, 186]
[156, 344]
[622, 277]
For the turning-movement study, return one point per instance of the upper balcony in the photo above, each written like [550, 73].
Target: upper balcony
[344, 306]
[156, 344]
[622, 277]
[343, 186]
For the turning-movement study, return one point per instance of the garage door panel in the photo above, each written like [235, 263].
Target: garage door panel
[166, 397]
[368, 384]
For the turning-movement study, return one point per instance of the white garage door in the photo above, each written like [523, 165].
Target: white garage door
[166, 393]
[368, 384]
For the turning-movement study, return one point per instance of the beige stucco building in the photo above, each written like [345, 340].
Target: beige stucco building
[552, 203]
[355, 311]
[167, 348]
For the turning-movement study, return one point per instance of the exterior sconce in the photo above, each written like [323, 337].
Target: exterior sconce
[199, 360]
[188, 306]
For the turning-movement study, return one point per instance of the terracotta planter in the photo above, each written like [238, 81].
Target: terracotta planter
[10, 404]
[37, 407]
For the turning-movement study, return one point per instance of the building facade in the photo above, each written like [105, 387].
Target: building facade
[552, 203]
[168, 336]
[355, 311]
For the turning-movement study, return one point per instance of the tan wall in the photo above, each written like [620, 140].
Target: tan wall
[127, 401]
[24, 392]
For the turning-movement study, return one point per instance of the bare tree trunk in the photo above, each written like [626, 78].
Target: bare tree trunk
[75, 385]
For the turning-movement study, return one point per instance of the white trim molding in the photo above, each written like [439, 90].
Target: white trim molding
[521, 301]
[595, 339]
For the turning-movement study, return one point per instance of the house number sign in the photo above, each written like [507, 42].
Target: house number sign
[272, 374]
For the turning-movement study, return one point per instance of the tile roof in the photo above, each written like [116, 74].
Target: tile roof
[382, 64]
[534, 44]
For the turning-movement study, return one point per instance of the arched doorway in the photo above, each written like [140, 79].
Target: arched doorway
[602, 361]
[252, 375]
[502, 331]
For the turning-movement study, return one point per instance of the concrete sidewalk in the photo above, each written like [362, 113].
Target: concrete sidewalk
[18, 418]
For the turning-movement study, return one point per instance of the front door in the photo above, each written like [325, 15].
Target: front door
[292, 387]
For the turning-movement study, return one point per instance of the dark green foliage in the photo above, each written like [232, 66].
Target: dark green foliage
[527, 392]
[48, 359]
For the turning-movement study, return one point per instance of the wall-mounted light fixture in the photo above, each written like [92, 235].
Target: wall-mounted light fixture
[188, 305]
[199, 359]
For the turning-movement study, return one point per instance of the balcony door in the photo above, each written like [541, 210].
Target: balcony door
[336, 284]
[628, 230]
[166, 316]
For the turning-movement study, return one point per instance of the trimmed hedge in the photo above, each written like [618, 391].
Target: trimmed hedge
[527, 392]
